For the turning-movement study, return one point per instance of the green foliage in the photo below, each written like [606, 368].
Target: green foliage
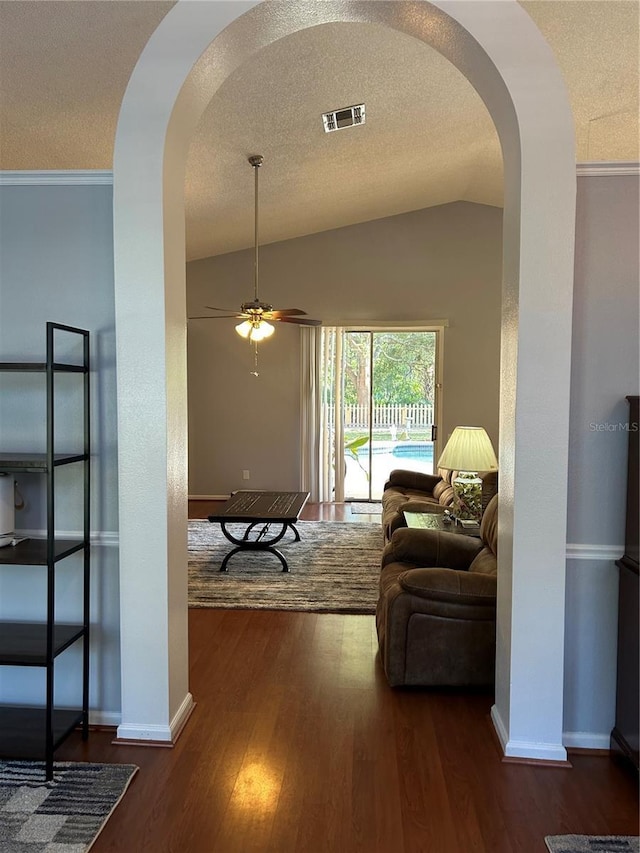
[352, 446]
[404, 367]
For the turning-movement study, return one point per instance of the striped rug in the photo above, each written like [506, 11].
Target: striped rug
[593, 843]
[333, 569]
[64, 815]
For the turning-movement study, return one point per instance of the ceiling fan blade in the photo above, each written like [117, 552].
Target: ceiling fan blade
[226, 310]
[306, 321]
[221, 317]
[286, 312]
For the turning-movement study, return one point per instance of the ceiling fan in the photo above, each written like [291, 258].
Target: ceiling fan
[256, 314]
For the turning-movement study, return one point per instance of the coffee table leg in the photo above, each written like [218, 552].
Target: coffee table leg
[295, 530]
[279, 555]
[223, 567]
[246, 544]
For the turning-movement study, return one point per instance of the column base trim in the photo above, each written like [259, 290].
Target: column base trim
[527, 752]
[152, 735]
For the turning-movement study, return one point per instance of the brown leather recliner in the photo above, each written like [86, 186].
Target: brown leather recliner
[436, 614]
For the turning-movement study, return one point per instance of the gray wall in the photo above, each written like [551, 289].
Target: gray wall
[56, 263]
[604, 371]
[440, 263]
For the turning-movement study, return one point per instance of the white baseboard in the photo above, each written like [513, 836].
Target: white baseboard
[531, 750]
[181, 716]
[142, 731]
[104, 718]
[586, 740]
[498, 725]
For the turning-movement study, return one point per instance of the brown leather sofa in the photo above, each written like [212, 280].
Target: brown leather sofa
[417, 492]
[436, 614]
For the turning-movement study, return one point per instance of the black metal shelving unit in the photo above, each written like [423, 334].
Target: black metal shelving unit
[28, 732]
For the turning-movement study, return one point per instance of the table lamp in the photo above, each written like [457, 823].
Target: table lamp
[468, 451]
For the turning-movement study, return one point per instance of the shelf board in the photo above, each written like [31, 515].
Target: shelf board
[36, 462]
[39, 367]
[22, 730]
[33, 552]
[25, 643]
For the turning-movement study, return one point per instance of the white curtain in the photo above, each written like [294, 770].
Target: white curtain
[321, 428]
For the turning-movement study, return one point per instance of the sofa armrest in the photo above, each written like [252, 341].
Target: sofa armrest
[448, 585]
[413, 480]
[431, 548]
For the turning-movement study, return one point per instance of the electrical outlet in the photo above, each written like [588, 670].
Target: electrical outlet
[245, 475]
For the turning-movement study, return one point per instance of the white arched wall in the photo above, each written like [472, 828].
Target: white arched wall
[499, 49]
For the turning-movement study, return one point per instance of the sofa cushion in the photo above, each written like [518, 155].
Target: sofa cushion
[440, 488]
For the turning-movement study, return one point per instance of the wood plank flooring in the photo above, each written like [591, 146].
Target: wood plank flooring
[298, 745]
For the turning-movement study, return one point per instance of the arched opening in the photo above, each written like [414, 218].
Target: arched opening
[498, 48]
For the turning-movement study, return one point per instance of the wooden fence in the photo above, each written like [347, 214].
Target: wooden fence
[412, 416]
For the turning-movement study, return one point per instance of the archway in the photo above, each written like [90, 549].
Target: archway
[498, 48]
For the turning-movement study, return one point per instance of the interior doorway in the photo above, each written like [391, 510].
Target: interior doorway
[381, 398]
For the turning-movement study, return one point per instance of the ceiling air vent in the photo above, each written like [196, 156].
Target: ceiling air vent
[345, 117]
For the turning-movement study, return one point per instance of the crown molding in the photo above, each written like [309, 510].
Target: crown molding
[47, 178]
[607, 168]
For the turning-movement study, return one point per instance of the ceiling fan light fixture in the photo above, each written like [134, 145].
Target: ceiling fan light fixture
[255, 329]
[244, 328]
[261, 330]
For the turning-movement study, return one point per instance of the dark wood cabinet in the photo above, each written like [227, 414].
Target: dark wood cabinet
[624, 737]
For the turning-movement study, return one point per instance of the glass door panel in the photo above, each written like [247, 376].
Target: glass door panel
[403, 408]
[356, 414]
[388, 407]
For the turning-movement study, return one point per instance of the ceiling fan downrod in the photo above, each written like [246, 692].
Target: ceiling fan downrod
[256, 160]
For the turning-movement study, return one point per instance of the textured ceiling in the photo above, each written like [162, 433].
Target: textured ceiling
[427, 139]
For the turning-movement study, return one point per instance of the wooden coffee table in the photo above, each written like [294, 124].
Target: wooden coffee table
[256, 508]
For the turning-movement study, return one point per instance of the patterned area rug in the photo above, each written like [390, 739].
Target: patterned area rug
[593, 843]
[333, 569]
[367, 507]
[61, 816]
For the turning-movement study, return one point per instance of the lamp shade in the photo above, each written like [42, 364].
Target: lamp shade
[468, 449]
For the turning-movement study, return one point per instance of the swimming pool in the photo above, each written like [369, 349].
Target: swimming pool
[386, 455]
[422, 450]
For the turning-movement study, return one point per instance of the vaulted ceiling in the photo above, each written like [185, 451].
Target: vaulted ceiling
[427, 139]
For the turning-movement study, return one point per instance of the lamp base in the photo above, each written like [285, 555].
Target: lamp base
[467, 496]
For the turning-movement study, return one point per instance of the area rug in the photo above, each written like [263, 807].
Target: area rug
[368, 507]
[593, 843]
[61, 816]
[335, 568]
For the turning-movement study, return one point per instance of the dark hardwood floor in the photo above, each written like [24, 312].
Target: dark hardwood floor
[297, 745]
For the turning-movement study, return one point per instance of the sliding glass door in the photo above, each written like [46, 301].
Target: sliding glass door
[387, 408]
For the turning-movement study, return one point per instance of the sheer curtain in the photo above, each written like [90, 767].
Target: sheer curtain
[321, 426]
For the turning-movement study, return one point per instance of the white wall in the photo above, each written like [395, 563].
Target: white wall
[604, 371]
[440, 263]
[56, 263]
